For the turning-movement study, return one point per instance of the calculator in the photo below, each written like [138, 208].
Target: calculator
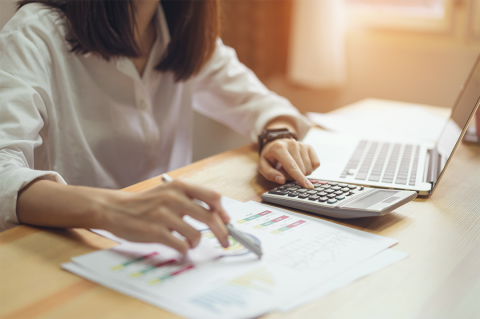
[339, 200]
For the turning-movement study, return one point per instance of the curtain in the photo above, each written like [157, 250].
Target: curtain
[317, 48]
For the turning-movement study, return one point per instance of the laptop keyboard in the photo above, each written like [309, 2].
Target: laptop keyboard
[391, 173]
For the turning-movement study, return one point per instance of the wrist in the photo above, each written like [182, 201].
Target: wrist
[99, 209]
[286, 122]
[270, 135]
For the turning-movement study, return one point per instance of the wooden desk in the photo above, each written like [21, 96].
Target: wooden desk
[440, 279]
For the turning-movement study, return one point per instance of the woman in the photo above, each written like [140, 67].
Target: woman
[99, 95]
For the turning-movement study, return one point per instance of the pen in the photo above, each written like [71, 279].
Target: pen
[235, 233]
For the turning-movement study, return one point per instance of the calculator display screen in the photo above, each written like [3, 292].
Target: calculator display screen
[371, 199]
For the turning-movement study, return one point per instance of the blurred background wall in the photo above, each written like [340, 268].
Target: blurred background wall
[417, 51]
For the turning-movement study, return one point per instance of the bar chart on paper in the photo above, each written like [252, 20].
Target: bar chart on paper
[237, 291]
[272, 222]
[149, 269]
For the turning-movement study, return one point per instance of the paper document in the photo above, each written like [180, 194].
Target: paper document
[300, 253]
[411, 122]
[378, 262]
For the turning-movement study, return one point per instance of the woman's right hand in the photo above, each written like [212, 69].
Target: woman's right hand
[152, 215]
[148, 216]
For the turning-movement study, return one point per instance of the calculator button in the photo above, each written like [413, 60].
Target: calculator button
[303, 196]
[292, 189]
[331, 195]
[331, 201]
[361, 188]
[329, 191]
[332, 183]
[323, 199]
[278, 192]
[345, 189]
[312, 192]
[281, 187]
[314, 181]
[349, 193]
[301, 190]
[338, 192]
[337, 198]
[323, 182]
[322, 194]
[290, 185]
[314, 197]
[342, 185]
[326, 186]
[336, 188]
[292, 194]
[352, 186]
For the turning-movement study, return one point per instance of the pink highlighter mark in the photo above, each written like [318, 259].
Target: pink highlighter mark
[265, 213]
[276, 220]
[182, 270]
[296, 224]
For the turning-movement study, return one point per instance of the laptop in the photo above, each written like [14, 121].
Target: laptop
[403, 164]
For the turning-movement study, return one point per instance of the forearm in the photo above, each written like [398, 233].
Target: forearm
[50, 204]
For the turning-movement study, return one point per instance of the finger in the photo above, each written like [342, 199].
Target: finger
[181, 205]
[294, 150]
[270, 173]
[313, 158]
[213, 221]
[168, 239]
[287, 176]
[217, 226]
[209, 196]
[137, 230]
[177, 224]
[306, 159]
[290, 165]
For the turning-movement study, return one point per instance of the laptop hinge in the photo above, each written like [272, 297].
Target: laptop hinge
[433, 166]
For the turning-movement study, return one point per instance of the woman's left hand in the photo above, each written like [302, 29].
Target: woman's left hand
[297, 161]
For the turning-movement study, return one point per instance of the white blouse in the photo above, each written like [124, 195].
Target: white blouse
[90, 122]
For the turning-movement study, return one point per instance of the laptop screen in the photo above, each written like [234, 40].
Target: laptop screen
[461, 113]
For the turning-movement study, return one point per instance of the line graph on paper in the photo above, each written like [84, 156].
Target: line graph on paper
[318, 252]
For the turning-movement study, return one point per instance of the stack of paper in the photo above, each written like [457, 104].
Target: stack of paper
[388, 119]
[304, 258]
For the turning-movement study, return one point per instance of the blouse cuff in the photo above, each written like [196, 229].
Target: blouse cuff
[12, 181]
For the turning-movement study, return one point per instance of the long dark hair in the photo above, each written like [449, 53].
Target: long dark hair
[107, 28]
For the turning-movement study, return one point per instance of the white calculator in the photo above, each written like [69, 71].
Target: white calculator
[339, 200]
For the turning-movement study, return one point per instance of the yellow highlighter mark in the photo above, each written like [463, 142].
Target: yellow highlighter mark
[117, 267]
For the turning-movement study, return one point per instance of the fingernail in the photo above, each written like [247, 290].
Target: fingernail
[279, 179]
[309, 185]
[226, 244]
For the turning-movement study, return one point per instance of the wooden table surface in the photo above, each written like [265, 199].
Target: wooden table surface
[440, 278]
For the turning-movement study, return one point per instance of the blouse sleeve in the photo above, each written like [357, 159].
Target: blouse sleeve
[24, 88]
[227, 91]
